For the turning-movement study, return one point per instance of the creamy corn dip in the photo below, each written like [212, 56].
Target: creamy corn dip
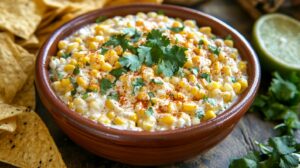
[147, 72]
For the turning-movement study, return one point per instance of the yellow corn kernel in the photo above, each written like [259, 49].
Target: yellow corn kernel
[111, 115]
[179, 96]
[111, 56]
[209, 115]
[214, 85]
[190, 23]
[237, 87]
[242, 66]
[62, 44]
[65, 82]
[142, 96]
[244, 83]
[197, 93]
[119, 50]
[196, 60]
[69, 68]
[226, 87]
[139, 23]
[106, 67]
[72, 46]
[57, 86]
[141, 113]
[189, 107]
[176, 24]
[147, 126]
[229, 43]
[216, 66]
[93, 45]
[109, 104]
[192, 78]
[71, 105]
[167, 120]
[205, 30]
[104, 120]
[94, 73]
[119, 121]
[188, 64]
[60, 53]
[79, 110]
[93, 87]
[117, 65]
[227, 96]
[171, 107]
[77, 55]
[227, 70]
[221, 56]
[133, 117]
[73, 62]
[174, 80]
[154, 100]
[234, 55]
[190, 35]
[81, 82]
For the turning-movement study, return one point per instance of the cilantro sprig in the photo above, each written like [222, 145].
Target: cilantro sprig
[105, 85]
[137, 84]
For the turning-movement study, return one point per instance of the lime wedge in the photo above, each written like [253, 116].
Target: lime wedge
[276, 38]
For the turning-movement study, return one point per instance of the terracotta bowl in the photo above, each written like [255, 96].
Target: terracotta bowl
[145, 148]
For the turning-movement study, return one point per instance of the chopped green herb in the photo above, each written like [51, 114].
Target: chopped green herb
[233, 79]
[60, 76]
[206, 77]
[103, 50]
[161, 12]
[149, 111]
[137, 84]
[200, 43]
[66, 55]
[73, 92]
[151, 94]
[214, 49]
[113, 95]
[121, 40]
[210, 100]
[228, 37]
[105, 85]
[180, 72]
[157, 81]
[195, 71]
[130, 61]
[198, 86]
[133, 33]
[101, 19]
[145, 55]
[177, 29]
[199, 113]
[85, 95]
[76, 71]
[118, 72]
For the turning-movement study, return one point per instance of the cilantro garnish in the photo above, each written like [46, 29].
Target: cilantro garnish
[118, 72]
[145, 55]
[113, 95]
[156, 38]
[199, 113]
[100, 19]
[85, 95]
[233, 79]
[60, 76]
[228, 37]
[161, 12]
[195, 71]
[151, 94]
[103, 50]
[133, 33]
[206, 77]
[121, 40]
[177, 29]
[137, 84]
[76, 71]
[156, 81]
[149, 111]
[66, 55]
[200, 43]
[180, 72]
[130, 61]
[210, 100]
[105, 85]
[215, 50]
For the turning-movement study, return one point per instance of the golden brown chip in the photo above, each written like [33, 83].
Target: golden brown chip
[26, 96]
[8, 125]
[8, 111]
[21, 17]
[32, 42]
[124, 2]
[31, 145]
[12, 77]
[26, 60]
[78, 3]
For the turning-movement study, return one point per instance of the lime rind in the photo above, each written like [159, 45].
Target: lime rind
[268, 59]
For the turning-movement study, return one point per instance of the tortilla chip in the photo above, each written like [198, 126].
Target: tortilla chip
[26, 96]
[32, 42]
[8, 125]
[8, 111]
[124, 2]
[31, 145]
[21, 17]
[12, 77]
[78, 3]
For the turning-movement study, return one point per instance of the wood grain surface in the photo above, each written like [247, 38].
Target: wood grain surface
[250, 129]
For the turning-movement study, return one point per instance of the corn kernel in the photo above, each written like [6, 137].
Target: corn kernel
[189, 107]
[244, 83]
[237, 87]
[78, 55]
[213, 85]
[94, 87]
[81, 82]
[179, 96]
[227, 96]
[242, 66]
[94, 73]
[188, 64]
[109, 104]
[111, 115]
[69, 68]
[209, 115]
[197, 93]
[139, 23]
[196, 60]
[62, 44]
[60, 53]
[190, 23]
[226, 87]
[57, 86]
[176, 24]
[72, 46]
[167, 120]
[117, 65]
[93, 45]
[111, 56]
[104, 120]
[216, 66]
[106, 67]
[190, 35]
[142, 96]
[119, 121]
[227, 70]
[133, 117]
[229, 43]
[172, 107]
[147, 126]
[234, 55]
[205, 30]
[65, 82]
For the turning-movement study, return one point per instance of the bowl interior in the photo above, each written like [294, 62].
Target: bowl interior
[218, 27]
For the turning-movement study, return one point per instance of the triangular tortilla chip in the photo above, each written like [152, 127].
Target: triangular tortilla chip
[8, 111]
[9, 124]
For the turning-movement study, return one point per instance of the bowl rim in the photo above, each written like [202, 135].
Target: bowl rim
[44, 88]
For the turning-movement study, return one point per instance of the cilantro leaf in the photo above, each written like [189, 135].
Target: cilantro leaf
[85, 95]
[103, 50]
[66, 55]
[130, 61]
[215, 50]
[105, 85]
[149, 111]
[101, 19]
[195, 71]
[160, 12]
[121, 40]
[200, 43]
[133, 33]
[228, 37]
[177, 29]
[206, 77]
[199, 113]
[243, 163]
[155, 37]
[118, 72]
[166, 67]
[76, 71]
[113, 95]
[145, 55]
[156, 81]
[137, 84]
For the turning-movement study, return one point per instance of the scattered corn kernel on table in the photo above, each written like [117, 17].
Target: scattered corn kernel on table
[251, 128]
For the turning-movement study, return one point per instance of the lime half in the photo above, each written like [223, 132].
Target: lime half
[276, 38]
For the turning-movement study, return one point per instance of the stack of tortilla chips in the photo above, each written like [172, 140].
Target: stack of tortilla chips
[24, 25]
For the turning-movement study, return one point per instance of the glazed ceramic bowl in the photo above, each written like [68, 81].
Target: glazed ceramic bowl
[145, 148]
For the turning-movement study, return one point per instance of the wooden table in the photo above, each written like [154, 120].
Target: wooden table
[251, 128]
